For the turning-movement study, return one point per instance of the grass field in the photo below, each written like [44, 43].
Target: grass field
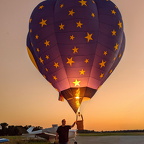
[20, 140]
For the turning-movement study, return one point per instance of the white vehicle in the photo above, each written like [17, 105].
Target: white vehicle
[48, 133]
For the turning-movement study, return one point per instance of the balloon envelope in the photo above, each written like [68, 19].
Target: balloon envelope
[76, 45]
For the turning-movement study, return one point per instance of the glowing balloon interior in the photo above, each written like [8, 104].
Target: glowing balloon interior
[76, 45]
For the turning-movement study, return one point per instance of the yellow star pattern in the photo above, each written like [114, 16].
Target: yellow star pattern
[93, 1]
[36, 37]
[38, 50]
[76, 82]
[46, 69]
[71, 12]
[82, 72]
[54, 77]
[113, 12]
[105, 53]
[61, 26]
[62, 5]
[30, 31]
[70, 61]
[47, 43]
[92, 14]
[43, 22]
[30, 20]
[83, 3]
[120, 24]
[79, 24]
[120, 55]
[101, 75]
[41, 7]
[86, 61]
[72, 37]
[72, 41]
[102, 64]
[89, 37]
[56, 64]
[113, 33]
[114, 58]
[41, 60]
[110, 71]
[116, 46]
[75, 49]
[47, 57]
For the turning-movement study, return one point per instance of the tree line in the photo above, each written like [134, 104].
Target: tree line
[11, 130]
[116, 131]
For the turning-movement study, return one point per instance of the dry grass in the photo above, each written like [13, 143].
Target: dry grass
[20, 140]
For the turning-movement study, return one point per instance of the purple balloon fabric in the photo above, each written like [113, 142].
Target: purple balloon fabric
[76, 45]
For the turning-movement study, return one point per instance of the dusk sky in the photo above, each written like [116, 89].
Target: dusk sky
[26, 98]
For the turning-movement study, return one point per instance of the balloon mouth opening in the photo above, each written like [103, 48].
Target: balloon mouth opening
[75, 96]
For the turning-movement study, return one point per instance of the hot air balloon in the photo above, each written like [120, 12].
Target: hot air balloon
[76, 45]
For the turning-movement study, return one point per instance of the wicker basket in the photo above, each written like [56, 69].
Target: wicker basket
[80, 125]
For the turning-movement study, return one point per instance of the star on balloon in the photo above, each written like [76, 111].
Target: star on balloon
[72, 37]
[75, 49]
[46, 69]
[41, 60]
[113, 33]
[47, 57]
[89, 37]
[56, 64]
[61, 26]
[105, 53]
[113, 12]
[86, 60]
[71, 12]
[70, 61]
[93, 1]
[36, 37]
[41, 7]
[120, 24]
[83, 3]
[76, 82]
[54, 77]
[101, 75]
[62, 5]
[30, 20]
[102, 64]
[43, 23]
[79, 24]
[92, 14]
[82, 72]
[38, 50]
[47, 43]
[110, 71]
[116, 46]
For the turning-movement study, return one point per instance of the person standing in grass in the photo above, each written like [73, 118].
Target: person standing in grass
[63, 132]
